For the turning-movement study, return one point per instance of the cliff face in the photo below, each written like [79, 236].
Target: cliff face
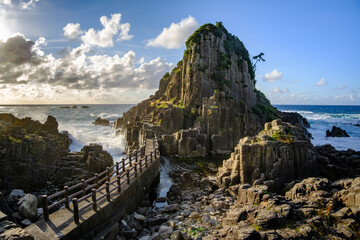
[212, 90]
[33, 154]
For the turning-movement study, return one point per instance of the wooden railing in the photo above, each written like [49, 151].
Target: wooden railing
[121, 173]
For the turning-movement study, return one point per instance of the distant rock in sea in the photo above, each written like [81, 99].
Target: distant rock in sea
[102, 122]
[84, 107]
[336, 132]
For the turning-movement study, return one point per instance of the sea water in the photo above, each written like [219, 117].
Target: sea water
[78, 122]
[322, 118]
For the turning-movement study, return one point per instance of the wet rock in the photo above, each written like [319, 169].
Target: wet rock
[171, 208]
[15, 195]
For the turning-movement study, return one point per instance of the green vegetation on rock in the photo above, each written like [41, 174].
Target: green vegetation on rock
[232, 44]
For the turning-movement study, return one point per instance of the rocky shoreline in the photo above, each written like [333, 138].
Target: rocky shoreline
[313, 208]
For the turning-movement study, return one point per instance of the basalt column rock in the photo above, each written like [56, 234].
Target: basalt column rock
[211, 89]
[277, 155]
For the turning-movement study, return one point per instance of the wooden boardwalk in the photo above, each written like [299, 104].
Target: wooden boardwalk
[98, 196]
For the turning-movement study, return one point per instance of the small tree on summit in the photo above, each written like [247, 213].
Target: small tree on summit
[258, 58]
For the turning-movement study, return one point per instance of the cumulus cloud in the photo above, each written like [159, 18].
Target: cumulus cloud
[277, 90]
[175, 36]
[104, 37]
[72, 31]
[18, 50]
[273, 76]
[21, 63]
[321, 83]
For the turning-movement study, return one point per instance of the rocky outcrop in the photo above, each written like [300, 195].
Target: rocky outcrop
[101, 122]
[35, 155]
[336, 132]
[297, 120]
[212, 89]
[335, 164]
[278, 155]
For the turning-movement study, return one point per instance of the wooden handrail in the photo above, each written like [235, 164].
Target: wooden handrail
[135, 163]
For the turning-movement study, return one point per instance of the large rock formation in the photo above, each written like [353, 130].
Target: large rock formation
[279, 154]
[212, 90]
[32, 154]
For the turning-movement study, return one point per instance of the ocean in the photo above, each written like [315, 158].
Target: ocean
[323, 117]
[78, 122]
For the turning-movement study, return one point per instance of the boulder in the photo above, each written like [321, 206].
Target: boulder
[28, 206]
[336, 132]
[15, 195]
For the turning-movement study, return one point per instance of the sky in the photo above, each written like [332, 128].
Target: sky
[113, 52]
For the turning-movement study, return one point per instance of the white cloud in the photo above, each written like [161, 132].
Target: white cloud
[6, 3]
[321, 83]
[77, 69]
[104, 37]
[20, 4]
[72, 31]
[273, 76]
[175, 36]
[29, 4]
[277, 90]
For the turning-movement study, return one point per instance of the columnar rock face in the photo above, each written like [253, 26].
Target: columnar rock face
[32, 154]
[277, 155]
[212, 89]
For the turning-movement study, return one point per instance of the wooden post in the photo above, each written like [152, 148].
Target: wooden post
[151, 157]
[97, 180]
[108, 174]
[108, 191]
[128, 176]
[118, 183]
[83, 186]
[130, 160]
[135, 169]
[123, 164]
[45, 207]
[93, 196]
[136, 156]
[155, 152]
[66, 188]
[146, 162]
[140, 165]
[117, 168]
[76, 210]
